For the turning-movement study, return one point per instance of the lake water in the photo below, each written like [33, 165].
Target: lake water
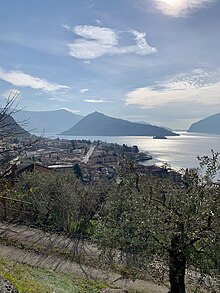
[179, 151]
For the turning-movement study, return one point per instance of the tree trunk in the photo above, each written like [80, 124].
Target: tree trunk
[177, 265]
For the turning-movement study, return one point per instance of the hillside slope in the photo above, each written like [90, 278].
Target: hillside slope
[209, 124]
[9, 127]
[37, 253]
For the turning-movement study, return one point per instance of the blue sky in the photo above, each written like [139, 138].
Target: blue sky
[142, 60]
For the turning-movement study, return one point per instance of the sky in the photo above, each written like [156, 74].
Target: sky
[141, 60]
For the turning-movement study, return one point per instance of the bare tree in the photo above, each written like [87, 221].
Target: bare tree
[14, 140]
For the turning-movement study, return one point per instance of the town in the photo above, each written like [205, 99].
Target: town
[89, 160]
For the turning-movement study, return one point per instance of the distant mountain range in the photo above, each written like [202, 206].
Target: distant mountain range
[98, 124]
[9, 127]
[210, 125]
[47, 121]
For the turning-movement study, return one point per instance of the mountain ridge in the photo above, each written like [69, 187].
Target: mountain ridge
[209, 124]
[99, 124]
[54, 121]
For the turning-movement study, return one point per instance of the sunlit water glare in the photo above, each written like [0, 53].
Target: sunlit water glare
[179, 151]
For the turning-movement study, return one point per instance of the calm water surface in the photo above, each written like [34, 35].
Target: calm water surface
[179, 151]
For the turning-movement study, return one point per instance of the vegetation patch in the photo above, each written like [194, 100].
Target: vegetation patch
[27, 279]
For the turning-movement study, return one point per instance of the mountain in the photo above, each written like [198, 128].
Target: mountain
[48, 121]
[98, 124]
[143, 122]
[9, 127]
[210, 125]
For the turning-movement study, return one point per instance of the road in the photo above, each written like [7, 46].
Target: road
[88, 155]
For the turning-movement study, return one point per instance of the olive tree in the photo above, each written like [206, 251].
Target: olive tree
[60, 201]
[178, 222]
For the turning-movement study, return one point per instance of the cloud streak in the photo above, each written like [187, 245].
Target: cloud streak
[198, 86]
[21, 79]
[82, 91]
[97, 41]
[179, 8]
[71, 110]
[95, 101]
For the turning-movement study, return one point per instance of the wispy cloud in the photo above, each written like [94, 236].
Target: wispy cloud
[21, 79]
[71, 110]
[197, 86]
[96, 41]
[95, 101]
[82, 91]
[98, 21]
[142, 46]
[178, 8]
[59, 99]
[66, 26]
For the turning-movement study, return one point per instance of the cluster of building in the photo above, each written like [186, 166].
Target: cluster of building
[89, 160]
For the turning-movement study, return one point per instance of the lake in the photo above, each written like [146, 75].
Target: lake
[179, 151]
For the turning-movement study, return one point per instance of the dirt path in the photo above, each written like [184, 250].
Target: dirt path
[60, 263]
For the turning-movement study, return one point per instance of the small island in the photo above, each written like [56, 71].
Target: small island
[159, 137]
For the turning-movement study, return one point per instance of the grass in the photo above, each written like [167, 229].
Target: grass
[28, 279]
